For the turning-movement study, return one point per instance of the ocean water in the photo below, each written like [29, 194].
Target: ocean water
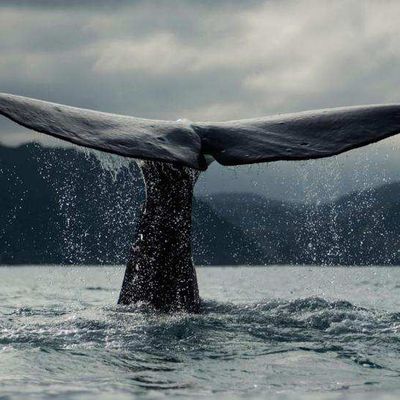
[265, 332]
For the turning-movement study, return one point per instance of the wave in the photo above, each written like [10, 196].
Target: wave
[301, 320]
[274, 343]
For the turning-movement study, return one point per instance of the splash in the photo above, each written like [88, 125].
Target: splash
[112, 163]
[98, 198]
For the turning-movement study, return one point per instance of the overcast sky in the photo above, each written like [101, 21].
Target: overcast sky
[213, 60]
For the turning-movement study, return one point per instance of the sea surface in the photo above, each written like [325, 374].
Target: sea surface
[264, 332]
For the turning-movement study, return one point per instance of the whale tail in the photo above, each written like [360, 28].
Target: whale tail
[160, 269]
[299, 136]
[146, 139]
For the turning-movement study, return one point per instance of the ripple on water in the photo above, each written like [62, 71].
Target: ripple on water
[139, 348]
[306, 319]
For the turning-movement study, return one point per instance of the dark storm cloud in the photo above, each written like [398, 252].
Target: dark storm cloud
[207, 59]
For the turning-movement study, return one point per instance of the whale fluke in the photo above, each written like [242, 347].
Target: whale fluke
[298, 136]
[147, 139]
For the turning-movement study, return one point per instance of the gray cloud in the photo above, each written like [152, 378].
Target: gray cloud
[200, 59]
[81, 4]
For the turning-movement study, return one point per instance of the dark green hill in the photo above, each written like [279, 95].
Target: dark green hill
[362, 228]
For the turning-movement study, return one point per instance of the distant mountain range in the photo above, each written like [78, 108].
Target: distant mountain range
[61, 206]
